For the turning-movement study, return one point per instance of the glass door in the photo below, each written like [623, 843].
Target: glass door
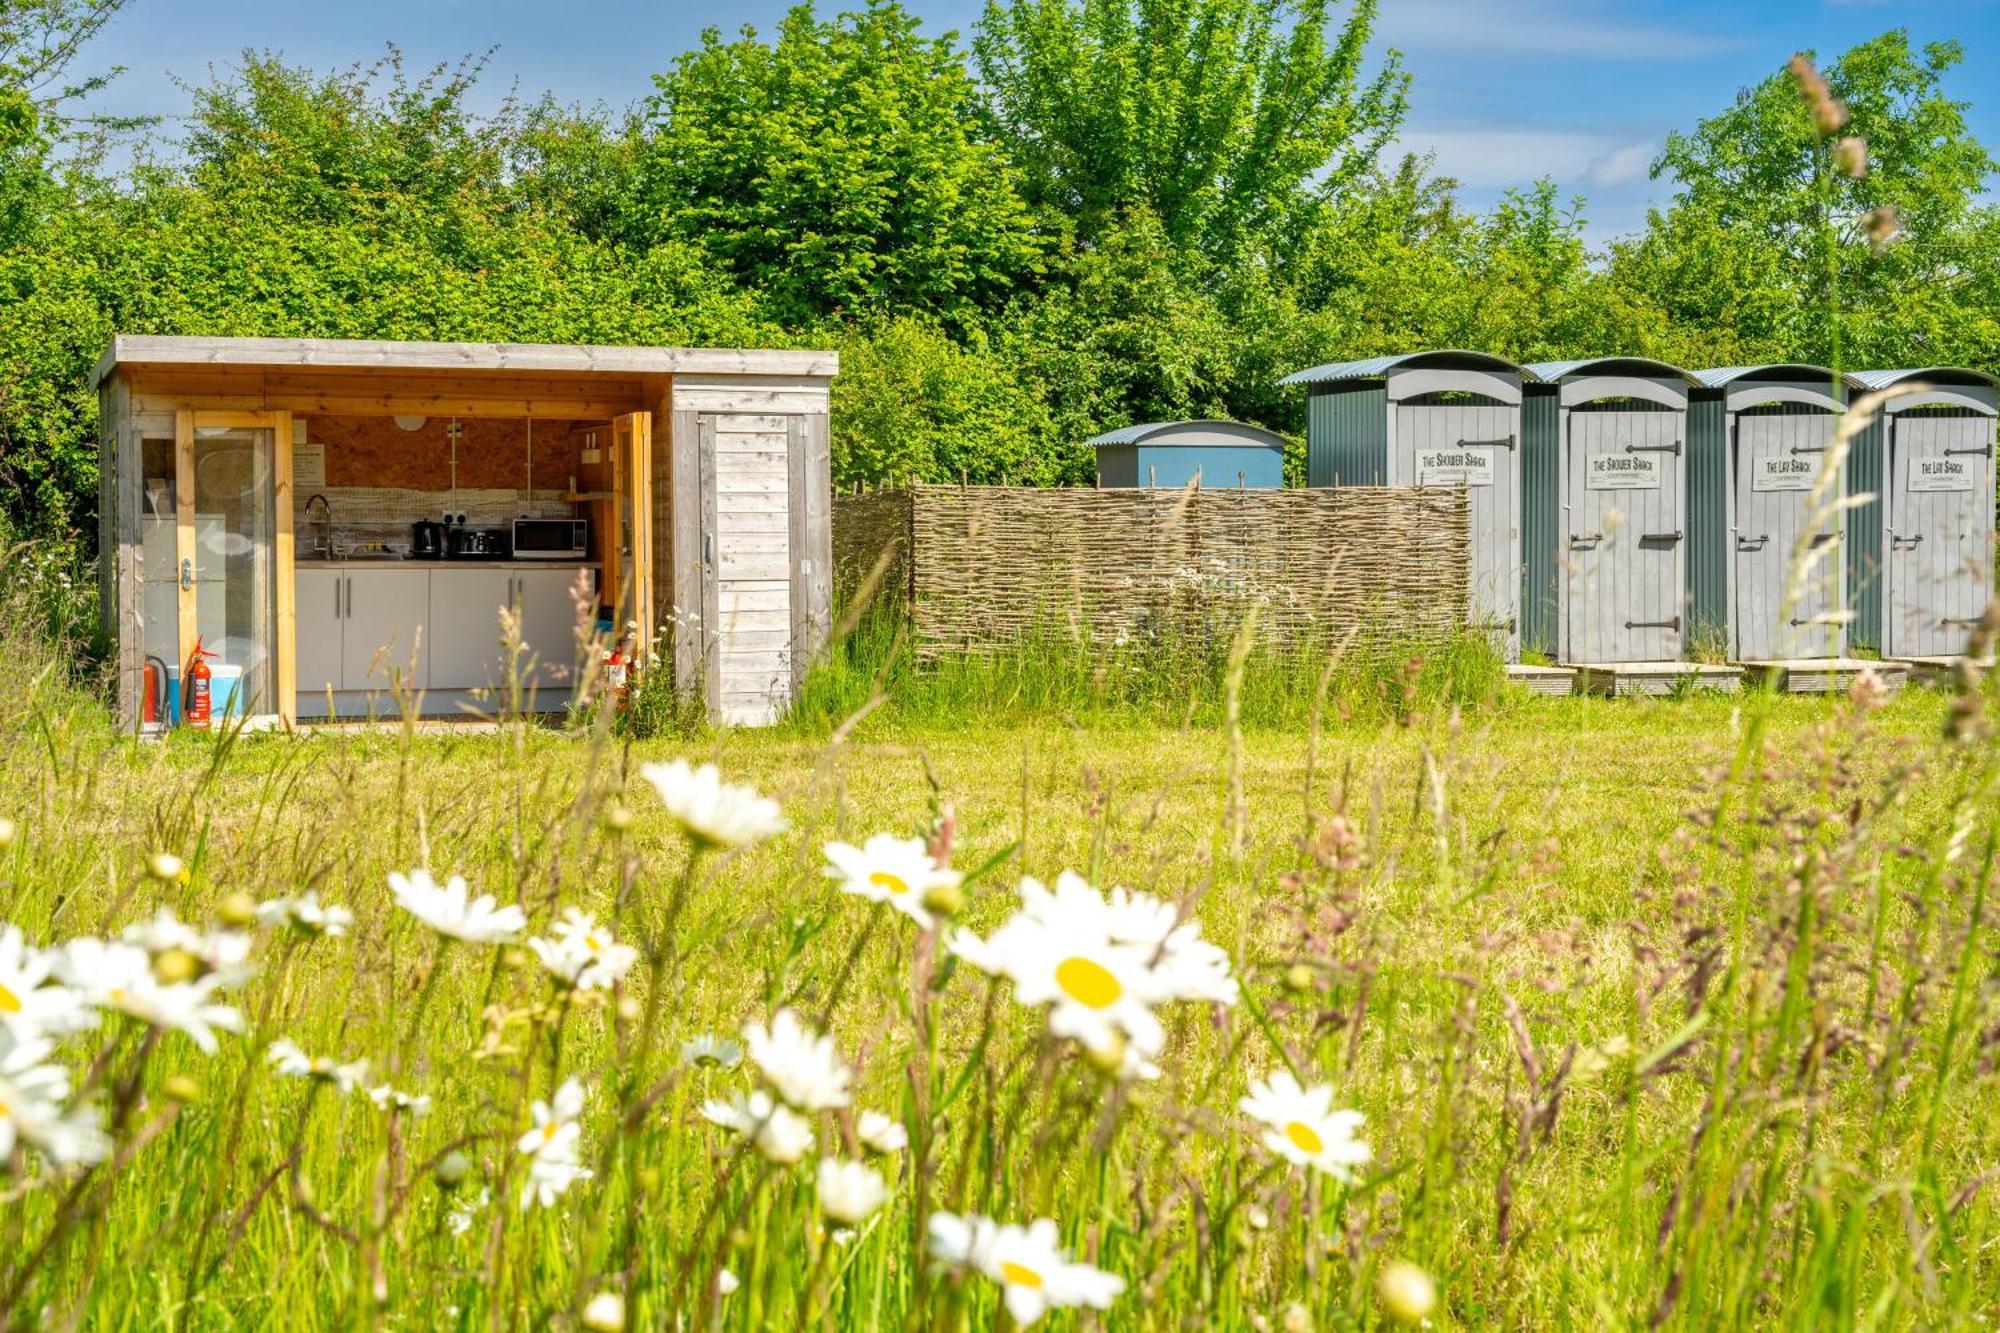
[233, 542]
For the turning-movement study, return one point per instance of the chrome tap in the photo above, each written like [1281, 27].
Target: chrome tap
[326, 524]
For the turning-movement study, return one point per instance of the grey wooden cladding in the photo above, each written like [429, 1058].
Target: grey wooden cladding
[1625, 536]
[810, 473]
[1938, 538]
[1784, 600]
[1491, 433]
[754, 459]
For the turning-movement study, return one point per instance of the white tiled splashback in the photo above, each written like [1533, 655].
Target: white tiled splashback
[379, 513]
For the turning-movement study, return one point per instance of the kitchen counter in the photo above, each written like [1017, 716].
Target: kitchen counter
[381, 562]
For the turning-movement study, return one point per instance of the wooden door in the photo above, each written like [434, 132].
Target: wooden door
[1473, 444]
[625, 522]
[747, 609]
[1939, 531]
[1622, 598]
[1780, 610]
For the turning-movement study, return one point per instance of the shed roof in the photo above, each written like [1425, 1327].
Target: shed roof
[1549, 372]
[1200, 430]
[1377, 366]
[1882, 379]
[1721, 376]
[541, 358]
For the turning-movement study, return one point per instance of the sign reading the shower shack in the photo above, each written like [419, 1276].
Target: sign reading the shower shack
[1623, 472]
[1456, 466]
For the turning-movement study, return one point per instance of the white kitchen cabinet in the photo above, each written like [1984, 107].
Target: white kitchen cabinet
[548, 624]
[463, 640]
[318, 597]
[383, 628]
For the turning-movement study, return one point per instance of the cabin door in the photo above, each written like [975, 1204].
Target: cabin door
[1782, 612]
[1622, 600]
[623, 520]
[1939, 541]
[233, 558]
[1472, 443]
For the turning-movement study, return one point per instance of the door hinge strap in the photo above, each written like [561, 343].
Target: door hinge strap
[1969, 620]
[1506, 443]
[1674, 448]
[1808, 449]
[1987, 452]
[1673, 624]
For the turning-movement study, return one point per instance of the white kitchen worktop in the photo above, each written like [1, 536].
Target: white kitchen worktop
[366, 562]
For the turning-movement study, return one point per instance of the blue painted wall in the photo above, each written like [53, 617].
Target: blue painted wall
[1176, 465]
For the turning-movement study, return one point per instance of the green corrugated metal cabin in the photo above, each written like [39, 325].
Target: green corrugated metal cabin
[1755, 435]
[1173, 453]
[1604, 510]
[1431, 418]
[1920, 560]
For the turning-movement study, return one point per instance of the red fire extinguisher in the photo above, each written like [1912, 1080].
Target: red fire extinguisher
[615, 671]
[195, 687]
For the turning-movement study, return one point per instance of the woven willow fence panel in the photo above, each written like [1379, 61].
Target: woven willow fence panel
[980, 567]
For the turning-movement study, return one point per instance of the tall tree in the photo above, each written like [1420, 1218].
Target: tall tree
[1225, 119]
[838, 169]
[1763, 177]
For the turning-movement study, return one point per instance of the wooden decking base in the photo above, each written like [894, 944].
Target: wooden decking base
[1821, 675]
[1623, 678]
[1932, 670]
[1551, 680]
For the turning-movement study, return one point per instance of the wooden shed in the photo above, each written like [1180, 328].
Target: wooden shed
[1437, 418]
[325, 515]
[1174, 453]
[1920, 560]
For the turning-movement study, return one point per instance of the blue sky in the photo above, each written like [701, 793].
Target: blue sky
[1506, 90]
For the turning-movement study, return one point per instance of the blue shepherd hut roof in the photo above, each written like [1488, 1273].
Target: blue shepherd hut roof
[1377, 366]
[1198, 432]
[1548, 372]
[1882, 379]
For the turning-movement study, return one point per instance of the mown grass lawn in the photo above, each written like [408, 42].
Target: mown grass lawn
[1669, 1011]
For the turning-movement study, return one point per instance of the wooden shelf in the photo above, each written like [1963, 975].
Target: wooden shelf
[579, 497]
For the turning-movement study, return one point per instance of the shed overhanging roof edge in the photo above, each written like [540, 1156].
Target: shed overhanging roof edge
[1377, 366]
[1721, 376]
[1548, 372]
[362, 354]
[1140, 431]
[1882, 379]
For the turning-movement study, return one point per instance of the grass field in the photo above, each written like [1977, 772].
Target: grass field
[1676, 1013]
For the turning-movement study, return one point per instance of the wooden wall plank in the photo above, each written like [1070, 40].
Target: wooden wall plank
[711, 645]
[684, 455]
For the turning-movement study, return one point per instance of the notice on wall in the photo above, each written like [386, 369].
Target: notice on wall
[1455, 467]
[1622, 472]
[1787, 472]
[1945, 474]
[308, 468]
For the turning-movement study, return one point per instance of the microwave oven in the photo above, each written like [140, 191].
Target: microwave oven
[551, 538]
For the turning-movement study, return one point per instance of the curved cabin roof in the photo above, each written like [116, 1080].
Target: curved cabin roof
[1640, 367]
[1721, 377]
[1375, 367]
[1206, 431]
[1882, 379]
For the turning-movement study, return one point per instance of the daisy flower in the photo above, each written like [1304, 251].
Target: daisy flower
[605, 1313]
[386, 1097]
[710, 1052]
[555, 1133]
[305, 915]
[726, 1282]
[289, 1060]
[850, 1192]
[888, 869]
[583, 954]
[1301, 1126]
[31, 1096]
[802, 1066]
[549, 1178]
[713, 812]
[780, 1133]
[1034, 1273]
[120, 977]
[879, 1134]
[448, 911]
[31, 1004]
[1188, 966]
[166, 938]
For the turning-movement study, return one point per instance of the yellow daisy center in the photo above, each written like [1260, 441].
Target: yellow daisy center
[882, 879]
[1305, 1138]
[1019, 1276]
[1088, 983]
[549, 1131]
[10, 1003]
[592, 943]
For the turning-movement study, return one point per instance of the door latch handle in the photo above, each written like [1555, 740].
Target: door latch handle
[1585, 538]
[708, 548]
[1756, 543]
[187, 575]
[1659, 536]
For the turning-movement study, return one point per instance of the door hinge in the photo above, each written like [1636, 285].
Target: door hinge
[1674, 448]
[1808, 449]
[1674, 624]
[1986, 452]
[1504, 443]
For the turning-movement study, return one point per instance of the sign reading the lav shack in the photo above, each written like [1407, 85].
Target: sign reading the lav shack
[1623, 472]
[1787, 472]
[1455, 467]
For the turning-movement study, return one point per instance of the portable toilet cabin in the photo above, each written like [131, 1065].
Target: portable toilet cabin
[1920, 560]
[1447, 418]
[1604, 511]
[1757, 437]
[1173, 453]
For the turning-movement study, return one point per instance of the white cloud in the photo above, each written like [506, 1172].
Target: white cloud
[1493, 157]
[1557, 29]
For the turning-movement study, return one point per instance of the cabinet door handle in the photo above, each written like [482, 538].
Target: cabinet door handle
[336, 599]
